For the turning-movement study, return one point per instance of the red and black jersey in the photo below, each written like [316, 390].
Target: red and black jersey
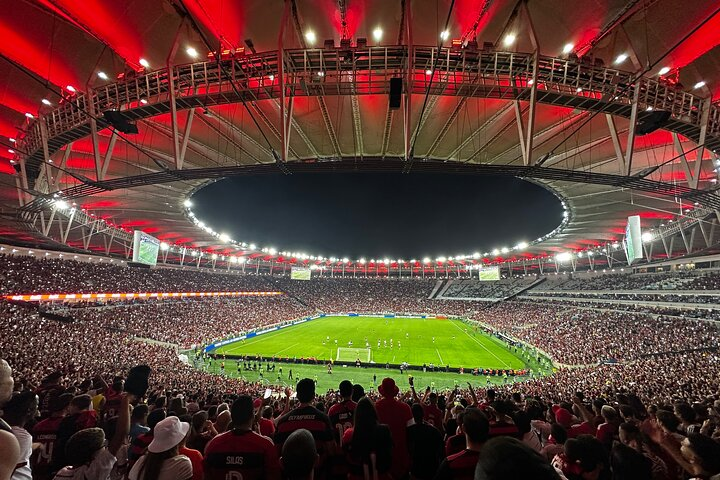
[460, 466]
[309, 418]
[341, 417]
[138, 447]
[45, 432]
[245, 455]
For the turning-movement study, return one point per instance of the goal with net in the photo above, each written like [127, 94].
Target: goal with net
[349, 354]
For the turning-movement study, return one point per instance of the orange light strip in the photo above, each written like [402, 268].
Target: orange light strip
[131, 296]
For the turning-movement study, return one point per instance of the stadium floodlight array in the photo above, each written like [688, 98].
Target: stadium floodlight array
[491, 257]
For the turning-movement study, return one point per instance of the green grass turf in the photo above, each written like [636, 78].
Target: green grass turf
[422, 341]
[363, 376]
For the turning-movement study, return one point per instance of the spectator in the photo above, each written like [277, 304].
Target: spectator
[86, 453]
[259, 458]
[139, 446]
[425, 445]
[8, 443]
[341, 414]
[299, 456]
[18, 412]
[138, 421]
[163, 460]
[45, 433]
[584, 459]
[398, 416]
[508, 458]
[628, 464]
[306, 416]
[461, 466]
[368, 444]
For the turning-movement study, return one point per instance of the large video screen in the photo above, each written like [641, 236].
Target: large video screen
[489, 274]
[145, 248]
[299, 273]
[633, 239]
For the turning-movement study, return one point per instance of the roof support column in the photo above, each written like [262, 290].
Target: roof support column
[616, 143]
[527, 159]
[94, 134]
[284, 116]
[704, 120]
[173, 105]
[631, 131]
[407, 111]
[63, 162]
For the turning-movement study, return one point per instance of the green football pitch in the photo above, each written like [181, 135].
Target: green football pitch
[416, 341]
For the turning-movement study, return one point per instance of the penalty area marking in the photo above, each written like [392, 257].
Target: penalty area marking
[441, 360]
[483, 346]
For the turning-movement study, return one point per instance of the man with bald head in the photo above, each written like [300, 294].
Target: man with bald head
[9, 447]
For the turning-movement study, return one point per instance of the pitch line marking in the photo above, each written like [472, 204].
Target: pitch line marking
[441, 360]
[480, 343]
[287, 348]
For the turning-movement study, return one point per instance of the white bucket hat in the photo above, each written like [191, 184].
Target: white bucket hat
[168, 433]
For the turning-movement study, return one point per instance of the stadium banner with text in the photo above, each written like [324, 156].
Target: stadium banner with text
[299, 273]
[489, 274]
[145, 248]
[633, 239]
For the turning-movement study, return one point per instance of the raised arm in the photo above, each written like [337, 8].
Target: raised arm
[122, 430]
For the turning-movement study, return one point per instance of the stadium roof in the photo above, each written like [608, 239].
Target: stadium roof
[560, 117]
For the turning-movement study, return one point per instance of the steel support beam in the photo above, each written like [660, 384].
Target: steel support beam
[616, 143]
[629, 149]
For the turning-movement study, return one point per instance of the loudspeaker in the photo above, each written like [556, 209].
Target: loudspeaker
[648, 122]
[119, 121]
[395, 92]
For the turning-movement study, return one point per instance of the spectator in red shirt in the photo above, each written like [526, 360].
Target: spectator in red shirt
[341, 414]
[461, 466]
[398, 417]
[45, 432]
[368, 444]
[241, 452]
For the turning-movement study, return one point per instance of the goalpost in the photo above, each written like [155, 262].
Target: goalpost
[350, 354]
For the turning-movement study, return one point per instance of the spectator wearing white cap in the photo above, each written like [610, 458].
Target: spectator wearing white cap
[163, 461]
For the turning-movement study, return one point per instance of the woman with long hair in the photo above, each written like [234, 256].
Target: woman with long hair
[163, 461]
[368, 445]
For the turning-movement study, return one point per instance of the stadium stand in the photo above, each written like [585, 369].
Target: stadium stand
[644, 380]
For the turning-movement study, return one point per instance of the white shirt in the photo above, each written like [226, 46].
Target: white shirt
[98, 469]
[175, 468]
[25, 441]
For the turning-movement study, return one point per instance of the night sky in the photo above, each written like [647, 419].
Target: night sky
[378, 215]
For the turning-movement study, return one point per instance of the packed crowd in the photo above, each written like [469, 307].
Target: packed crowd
[642, 297]
[121, 425]
[473, 288]
[26, 274]
[693, 280]
[192, 322]
[581, 336]
[645, 403]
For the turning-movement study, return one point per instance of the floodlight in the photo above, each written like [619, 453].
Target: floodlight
[377, 34]
[164, 246]
[509, 39]
[144, 63]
